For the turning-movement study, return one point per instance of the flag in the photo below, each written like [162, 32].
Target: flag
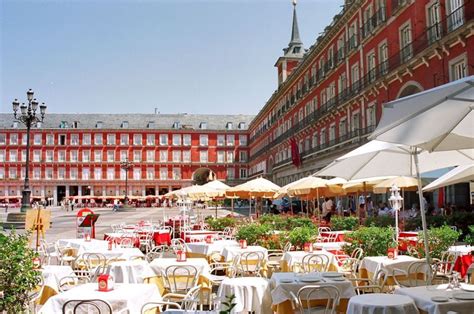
[295, 153]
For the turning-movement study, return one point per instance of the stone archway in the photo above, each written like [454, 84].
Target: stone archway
[203, 175]
[410, 88]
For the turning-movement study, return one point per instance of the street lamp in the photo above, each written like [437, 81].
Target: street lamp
[126, 165]
[396, 201]
[27, 114]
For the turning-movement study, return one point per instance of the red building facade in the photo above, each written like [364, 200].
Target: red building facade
[80, 154]
[374, 51]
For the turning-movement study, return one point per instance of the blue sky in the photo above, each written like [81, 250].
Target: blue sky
[132, 56]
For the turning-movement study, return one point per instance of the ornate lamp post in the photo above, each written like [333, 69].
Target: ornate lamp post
[396, 201]
[126, 165]
[27, 114]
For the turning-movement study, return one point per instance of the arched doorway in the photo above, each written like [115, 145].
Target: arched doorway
[409, 88]
[203, 175]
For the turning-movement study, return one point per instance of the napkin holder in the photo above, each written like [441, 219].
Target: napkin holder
[243, 244]
[308, 247]
[36, 263]
[110, 245]
[87, 237]
[105, 282]
[181, 256]
[209, 239]
[392, 253]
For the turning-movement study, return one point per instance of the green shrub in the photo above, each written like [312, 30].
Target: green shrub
[462, 220]
[253, 232]
[439, 240]
[381, 221]
[219, 224]
[295, 222]
[273, 241]
[469, 238]
[278, 222]
[375, 241]
[17, 276]
[344, 223]
[300, 235]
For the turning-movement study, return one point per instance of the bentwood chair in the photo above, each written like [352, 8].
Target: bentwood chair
[93, 306]
[315, 263]
[328, 296]
[159, 307]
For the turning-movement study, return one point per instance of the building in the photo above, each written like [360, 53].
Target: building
[80, 154]
[330, 97]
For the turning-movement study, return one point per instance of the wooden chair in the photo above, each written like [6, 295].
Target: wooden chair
[328, 296]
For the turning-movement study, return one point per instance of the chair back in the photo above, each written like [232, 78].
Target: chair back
[67, 282]
[287, 247]
[358, 253]
[251, 263]
[192, 299]
[93, 306]
[156, 252]
[323, 229]
[126, 242]
[93, 260]
[180, 278]
[328, 297]
[418, 273]
[315, 262]
[446, 265]
[159, 307]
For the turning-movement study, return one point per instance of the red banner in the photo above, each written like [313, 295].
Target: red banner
[295, 153]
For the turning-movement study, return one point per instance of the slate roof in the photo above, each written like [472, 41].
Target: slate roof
[135, 121]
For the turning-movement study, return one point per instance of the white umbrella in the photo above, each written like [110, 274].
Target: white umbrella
[439, 119]
[457, 175]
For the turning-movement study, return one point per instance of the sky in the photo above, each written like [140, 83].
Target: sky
[117, 56]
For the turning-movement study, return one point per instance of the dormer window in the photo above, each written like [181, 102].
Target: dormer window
[151, 124]
[241, 125]
[296, 50]
[176, 125]
[63, 125]
[203, 125]
[15, 124]
[124, 125]
[229, 126]
[99, 125]
[39, 124]
[75, 124]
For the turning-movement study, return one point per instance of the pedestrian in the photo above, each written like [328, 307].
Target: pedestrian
[72, 206]
[6, 207]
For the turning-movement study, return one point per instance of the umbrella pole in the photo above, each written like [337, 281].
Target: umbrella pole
[250, 205]
[319, 211]
[422, 208]
[291, 206]
[232, 205]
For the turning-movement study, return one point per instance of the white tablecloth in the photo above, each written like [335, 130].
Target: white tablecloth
[208, 248]
[83, 246]
[281, 290]
[329, 246]
[122, 253]
[296, 257]
[131, 296]
[461, 249]
[422, 297]
[373, 263]
[131, 271]
[251, 294]
[378, 303]
[52, 274]
[159, 265]
[230, 252]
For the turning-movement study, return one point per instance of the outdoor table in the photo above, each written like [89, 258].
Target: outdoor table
[407, 238]
[198, 235]
[333, 247]
[370, 265]
[229, 252]
[52, 274]
[123, 296]
[295, 258]
[160, 236]
[83, 246]
[203, 249]
[119, 253]
[381, 303]
[422, 297]
[281, 288]
[464, 259]
[252, 294]
[116, 237]
[339, 234]
[134, 271]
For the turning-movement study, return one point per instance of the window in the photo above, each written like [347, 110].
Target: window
[176, 156]
[163, 173]
[150, 139]
[61, 174]
[203, 140]
[332, 133]
[383, 58]
[150, 155]
[98, 139]
[314, 141]
[122, 174]
[230, 156]
[242, 126]
[61, 156]
[110, 174]
[353, 36]
[187, 139]
[123, 155]
[243, 140]
[355, 122]
[176, 125]
[137, 139]
[124, 139]
[151, 124]
[203, 125]
[203, 156]
[110, 156]
[230, 139]
[97, 155]
[73, 174]
[36, 156]
[220, 140]
[137, 173]
[37, 139]
[49, 139]
[75, 124]
[99, 125]
[23, 139]
[355, 77]
[433, 22]
[49, 156]
[137, 155]
[243, 173]
[322, 137]
[13, 155]
[458, 68]
[163, 155]
[23, 155]
[85, 174]
[3, 139]
[86, 155]
[230, 173]
[176, 173]
[371, 66]
[220, 156]
[2, 156]
[12, 173]
[176, 139]
[110, 139]
[229, 126]
[124, 125]
[342, 128]
[371, 116]
[163, 139]
[74, 139]
[243, 156]
[2, 173]
[74, 156]
[86, 139]
[49, 174]
[13, 139]
[62, 139]
[455, 14]
[98, 173]
[150, 174]
[406, 51]
[342, 83]
[186, 155]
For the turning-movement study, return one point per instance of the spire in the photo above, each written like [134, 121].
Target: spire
[295, 33]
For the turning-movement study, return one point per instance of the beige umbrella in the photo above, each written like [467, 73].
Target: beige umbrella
[402, 182]
[361, 185]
